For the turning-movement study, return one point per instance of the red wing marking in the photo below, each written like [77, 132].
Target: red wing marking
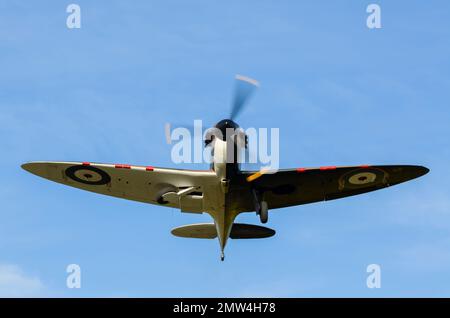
[122, 166]
[328, 168]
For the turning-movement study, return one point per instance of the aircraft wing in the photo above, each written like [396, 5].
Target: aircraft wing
[307, 185]
[139, 183]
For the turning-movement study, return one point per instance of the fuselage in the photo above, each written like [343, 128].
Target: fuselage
[226, 147]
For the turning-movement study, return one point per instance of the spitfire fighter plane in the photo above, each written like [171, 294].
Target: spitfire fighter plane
[224, 191]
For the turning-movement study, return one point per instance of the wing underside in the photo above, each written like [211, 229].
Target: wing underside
[185, 189]
[138, 183]
[303, 185]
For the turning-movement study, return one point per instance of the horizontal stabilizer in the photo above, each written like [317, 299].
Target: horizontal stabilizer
[202, 230]
[208, 231]
[250, 231]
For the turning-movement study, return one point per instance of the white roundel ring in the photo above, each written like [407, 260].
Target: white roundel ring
[362, 178]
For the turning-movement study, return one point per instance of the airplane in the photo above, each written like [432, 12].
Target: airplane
[224, 191]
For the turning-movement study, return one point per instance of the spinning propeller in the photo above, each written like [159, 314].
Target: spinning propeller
[244, 89]
[245, 86]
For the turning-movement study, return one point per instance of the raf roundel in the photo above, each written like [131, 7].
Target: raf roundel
[362, 178]
[88, 175]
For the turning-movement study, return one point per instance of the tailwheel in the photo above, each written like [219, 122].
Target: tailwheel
[264, 212]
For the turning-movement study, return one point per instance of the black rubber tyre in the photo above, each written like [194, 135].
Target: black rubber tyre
[264, 212]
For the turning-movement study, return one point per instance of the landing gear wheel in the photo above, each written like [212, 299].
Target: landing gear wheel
[264, 212]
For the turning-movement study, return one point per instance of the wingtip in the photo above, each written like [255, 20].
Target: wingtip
[36, 168]
[26, 166]
[423, 170]
[413, 172]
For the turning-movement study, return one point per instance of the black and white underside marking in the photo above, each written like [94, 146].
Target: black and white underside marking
[88, 175]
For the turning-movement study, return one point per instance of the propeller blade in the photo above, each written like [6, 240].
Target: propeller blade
[244, 89]
[257, 174]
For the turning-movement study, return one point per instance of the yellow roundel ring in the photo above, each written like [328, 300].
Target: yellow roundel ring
[362, 178]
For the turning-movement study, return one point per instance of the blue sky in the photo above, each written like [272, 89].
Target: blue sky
[340, 93]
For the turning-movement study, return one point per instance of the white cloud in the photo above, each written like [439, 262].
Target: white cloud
[15, 283]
